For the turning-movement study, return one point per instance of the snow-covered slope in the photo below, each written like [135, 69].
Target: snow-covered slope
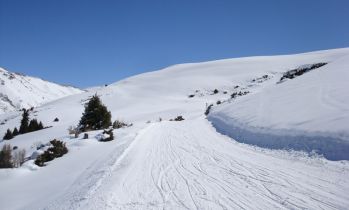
[18, 91]
[309, 112]
[188, 165]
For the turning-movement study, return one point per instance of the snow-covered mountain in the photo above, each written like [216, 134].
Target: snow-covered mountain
[19, 91]
[294, 103]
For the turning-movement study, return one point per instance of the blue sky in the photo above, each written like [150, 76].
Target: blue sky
[86, 43]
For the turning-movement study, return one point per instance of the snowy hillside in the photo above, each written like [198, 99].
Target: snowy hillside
[309, 112]
[163, 164]
[19, 91]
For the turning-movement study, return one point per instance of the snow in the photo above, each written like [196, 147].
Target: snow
[187, 164]
[309, 112]
[18, 91]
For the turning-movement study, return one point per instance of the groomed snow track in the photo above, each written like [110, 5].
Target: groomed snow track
[187, 165]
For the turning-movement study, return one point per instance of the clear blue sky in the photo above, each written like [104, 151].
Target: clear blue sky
[87, 43]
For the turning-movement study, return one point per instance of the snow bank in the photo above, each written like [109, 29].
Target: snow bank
[309, 113]
[330, 146]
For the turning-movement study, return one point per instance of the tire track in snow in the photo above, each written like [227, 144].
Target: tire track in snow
[187, 165]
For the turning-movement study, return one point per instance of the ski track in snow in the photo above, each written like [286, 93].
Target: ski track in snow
[187, 165]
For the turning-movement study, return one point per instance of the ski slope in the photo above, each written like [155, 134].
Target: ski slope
[175, 165]
[188, 165]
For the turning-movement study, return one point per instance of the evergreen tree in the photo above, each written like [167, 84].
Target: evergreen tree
[24, 122]
[40, 126]
[6, 157]
[33, 125]
[96, 115]
[8, 135]
[15, 132]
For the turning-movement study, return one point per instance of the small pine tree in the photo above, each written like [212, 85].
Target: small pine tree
[15, 132]
[40, 126]
[96, 115]
[33, 125]
[8, 135]
[24, 122]
[6, 156]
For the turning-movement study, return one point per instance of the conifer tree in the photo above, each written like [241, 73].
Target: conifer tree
[96, 115]
[33, 125]
[24, 122]
[40, 126]
[8, 135]
[15, 132]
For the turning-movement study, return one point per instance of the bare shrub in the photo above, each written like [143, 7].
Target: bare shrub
[73, 130]
[18, 157]
[6, 156]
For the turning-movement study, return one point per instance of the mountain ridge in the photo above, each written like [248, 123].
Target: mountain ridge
[20, 91]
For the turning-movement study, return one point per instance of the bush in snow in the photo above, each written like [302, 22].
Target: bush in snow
[73, 130]
[96, 115]
[108, 135]
[119, 124]
[45, 157]
[58, 149]
[56, 120]
[219, 102]
[85, 136]
[208, 108]
[8, 135]
[234, 95]
[299, 71]
[18, 157]
[215, 91]
[179, 118]
[6, 156]
[240, 93]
